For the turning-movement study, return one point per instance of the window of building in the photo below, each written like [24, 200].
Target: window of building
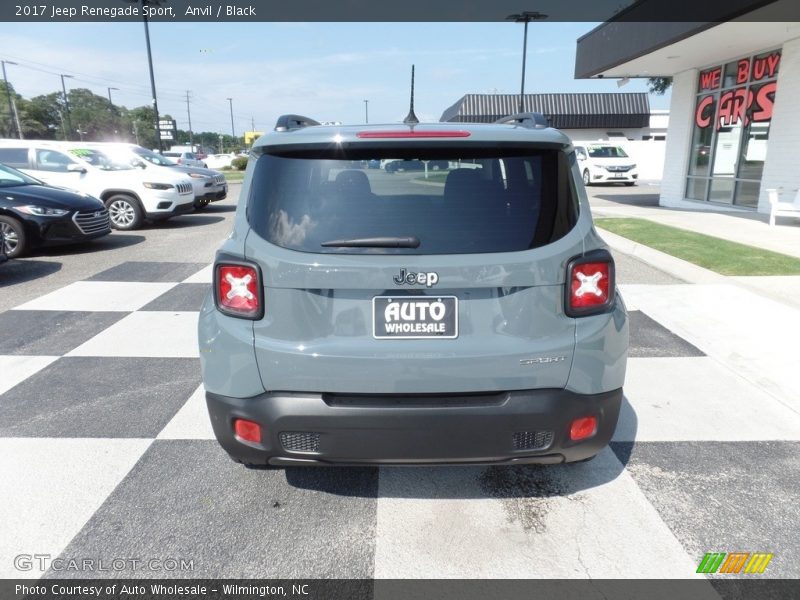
[733, 111]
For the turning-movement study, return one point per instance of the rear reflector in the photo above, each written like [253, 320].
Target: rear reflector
[582, 428]
[406, 133]
[238, 290]
[247, 430]
[590, 281]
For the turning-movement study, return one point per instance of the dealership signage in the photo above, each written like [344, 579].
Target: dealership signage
[167, 129]
[749, 101]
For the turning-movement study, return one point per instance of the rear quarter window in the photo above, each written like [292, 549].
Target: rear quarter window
[456, 201]
[14, 157]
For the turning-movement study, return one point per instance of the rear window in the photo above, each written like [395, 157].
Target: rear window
[474, 200]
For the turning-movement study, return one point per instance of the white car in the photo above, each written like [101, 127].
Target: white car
[130, 194]
[185, 159]
[209, 185]
[605, 162]
[219, 161]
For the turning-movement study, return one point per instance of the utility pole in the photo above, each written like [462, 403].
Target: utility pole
[252, 123]
[189, 114]
[366, 111]
[16, 117]
[152, 76]
[136, 132]
[11, 110]
[111, 110]
[525, 17]
[68, 129]
[233, 131]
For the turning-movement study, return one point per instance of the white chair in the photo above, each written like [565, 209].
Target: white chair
[777, 208]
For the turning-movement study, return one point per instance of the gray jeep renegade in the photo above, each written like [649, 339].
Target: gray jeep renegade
[455, 308]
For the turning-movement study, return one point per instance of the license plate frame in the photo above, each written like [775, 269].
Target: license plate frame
[449, 317]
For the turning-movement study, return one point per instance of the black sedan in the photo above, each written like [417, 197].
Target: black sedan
[35, 214]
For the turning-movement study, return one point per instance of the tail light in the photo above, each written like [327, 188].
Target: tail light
[590, 284]
[583, 428]
[238, 291]
[249, 431]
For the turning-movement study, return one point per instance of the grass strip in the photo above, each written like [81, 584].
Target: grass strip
[723, 256]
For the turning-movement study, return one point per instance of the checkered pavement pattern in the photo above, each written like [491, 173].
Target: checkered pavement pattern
[106, 451]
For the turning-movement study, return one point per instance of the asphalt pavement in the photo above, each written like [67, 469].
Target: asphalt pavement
[106, 450]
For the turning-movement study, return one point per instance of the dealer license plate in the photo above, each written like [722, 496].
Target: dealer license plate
[414, 317]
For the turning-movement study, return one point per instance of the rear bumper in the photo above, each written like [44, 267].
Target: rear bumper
[396, 429]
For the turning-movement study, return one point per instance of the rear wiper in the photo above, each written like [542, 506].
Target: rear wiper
[375, 242]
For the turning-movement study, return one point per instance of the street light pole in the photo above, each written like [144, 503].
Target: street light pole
[233, 131]
[11, 112]
[524, 17]
[366, 111]
[68, 129]
[152, 76]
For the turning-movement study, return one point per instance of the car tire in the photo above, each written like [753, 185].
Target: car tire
[125, 212]
[629, 183]
[587, 178]
[14, 236]
[201, 203]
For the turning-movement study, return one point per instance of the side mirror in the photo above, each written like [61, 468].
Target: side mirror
[73, 168]
[136, 162]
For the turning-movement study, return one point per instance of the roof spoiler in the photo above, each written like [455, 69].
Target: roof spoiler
[291, 122]
[533, 120]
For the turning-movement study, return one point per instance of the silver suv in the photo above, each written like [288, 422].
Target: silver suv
[461, 315]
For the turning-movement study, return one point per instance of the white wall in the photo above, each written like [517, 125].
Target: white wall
[782, 167]
[676, 159]
[649, 157]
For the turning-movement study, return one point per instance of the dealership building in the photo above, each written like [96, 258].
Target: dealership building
[734, 118]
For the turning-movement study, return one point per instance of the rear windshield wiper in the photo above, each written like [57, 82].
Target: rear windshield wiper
[375, 242]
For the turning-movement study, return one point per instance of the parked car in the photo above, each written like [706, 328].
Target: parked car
[209, 186]
[604, 162]
[185, 159]
[360, 319]
[393, 166]
[3, 255]
[219, 161]
[130, 194]
[35, 214]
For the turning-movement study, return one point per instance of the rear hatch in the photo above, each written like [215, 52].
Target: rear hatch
[444, 276]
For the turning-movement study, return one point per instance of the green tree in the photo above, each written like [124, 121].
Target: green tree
[43, 117]
[659, 85]
[91, 116]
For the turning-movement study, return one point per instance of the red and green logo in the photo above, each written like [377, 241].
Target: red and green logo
[734, 562]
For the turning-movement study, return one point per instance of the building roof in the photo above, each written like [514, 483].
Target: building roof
[564, 111]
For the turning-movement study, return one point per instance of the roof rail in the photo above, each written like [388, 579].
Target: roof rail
[533, 120]
[290, 122]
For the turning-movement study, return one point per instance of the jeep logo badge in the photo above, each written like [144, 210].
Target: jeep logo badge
[427, 279]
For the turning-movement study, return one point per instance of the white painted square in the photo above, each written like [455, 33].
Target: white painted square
[699, 399]
[111, 296]
[443, 522]
[151, 334]
[191, 422]
[204, 275]
[16, 369]
[756, 337]
[51, 487]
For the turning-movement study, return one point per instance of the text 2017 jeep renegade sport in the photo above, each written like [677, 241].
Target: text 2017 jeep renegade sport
[462, 311]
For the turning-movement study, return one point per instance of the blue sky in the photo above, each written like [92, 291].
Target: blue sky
[322, 70]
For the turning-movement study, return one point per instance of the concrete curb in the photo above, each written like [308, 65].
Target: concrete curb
[676, 267]
[691, 273]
